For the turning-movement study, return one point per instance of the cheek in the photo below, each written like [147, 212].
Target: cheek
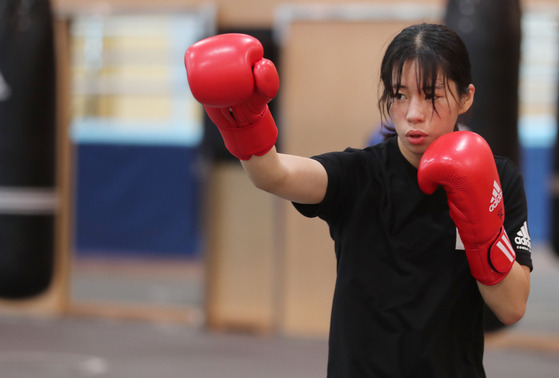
[395, 111]
[396, 118]
[447, 114]
[453, 109]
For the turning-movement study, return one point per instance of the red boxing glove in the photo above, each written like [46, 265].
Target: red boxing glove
[462, 162]
[229, 76]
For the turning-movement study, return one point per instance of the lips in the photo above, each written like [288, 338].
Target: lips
[416, 136]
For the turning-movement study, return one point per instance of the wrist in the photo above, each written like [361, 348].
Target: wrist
[255, 139]
[490, 263]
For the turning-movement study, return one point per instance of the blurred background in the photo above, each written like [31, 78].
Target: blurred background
[125, 222]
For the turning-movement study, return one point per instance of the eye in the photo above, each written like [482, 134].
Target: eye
[434, 97]
[399, 96]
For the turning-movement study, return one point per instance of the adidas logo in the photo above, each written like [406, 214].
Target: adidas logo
[523, 237]
[496, 196]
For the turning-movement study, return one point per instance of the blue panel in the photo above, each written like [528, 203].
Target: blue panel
[137, 199]
[536, 169]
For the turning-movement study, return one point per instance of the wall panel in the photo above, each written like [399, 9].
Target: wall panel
[329, 84]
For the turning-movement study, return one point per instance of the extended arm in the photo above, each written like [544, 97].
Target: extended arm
[294, 178]
[228, 75]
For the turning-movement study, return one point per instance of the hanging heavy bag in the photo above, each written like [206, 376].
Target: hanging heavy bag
[491, 32]
[27, 147]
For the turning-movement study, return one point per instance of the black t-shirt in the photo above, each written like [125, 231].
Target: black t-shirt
[405, 303]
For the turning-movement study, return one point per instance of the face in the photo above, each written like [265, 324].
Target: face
[415, 119]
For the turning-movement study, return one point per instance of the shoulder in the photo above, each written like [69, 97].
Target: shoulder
[506, 165]
[509, 174]
[350, 172]
[361, 153]
[354, 159]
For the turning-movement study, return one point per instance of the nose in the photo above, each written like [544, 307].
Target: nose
[416, 110]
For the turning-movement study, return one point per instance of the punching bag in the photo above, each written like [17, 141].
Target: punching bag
[27, 147]
[491, 30]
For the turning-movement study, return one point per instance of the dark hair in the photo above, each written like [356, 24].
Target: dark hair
[435, 48]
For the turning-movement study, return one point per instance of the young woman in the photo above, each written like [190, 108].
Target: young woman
[413, 269]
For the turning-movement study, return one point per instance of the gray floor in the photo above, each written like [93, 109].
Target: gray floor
[95, 347]
[79, 347]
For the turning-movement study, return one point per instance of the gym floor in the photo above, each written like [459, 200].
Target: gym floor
[81, 346]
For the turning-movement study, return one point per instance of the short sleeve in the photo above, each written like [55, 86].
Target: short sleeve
[516, 210]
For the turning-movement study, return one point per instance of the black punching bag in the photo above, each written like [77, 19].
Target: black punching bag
[491, 30]
[27, 147]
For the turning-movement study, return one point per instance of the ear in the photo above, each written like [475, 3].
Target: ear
[467, 100]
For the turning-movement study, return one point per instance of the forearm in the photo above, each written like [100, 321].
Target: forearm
[507, 299]
[229, 75]
[290, 177]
